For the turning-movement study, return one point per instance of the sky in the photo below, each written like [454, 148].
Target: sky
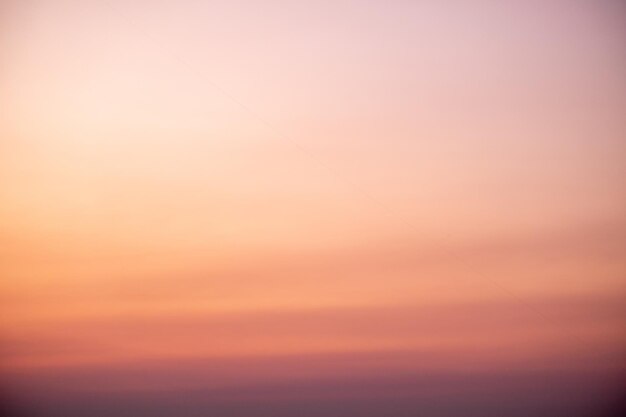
[312, 208]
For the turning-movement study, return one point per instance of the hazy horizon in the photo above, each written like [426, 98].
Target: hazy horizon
[333, 208]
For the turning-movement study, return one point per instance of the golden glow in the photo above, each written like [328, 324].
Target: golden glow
[393, 181]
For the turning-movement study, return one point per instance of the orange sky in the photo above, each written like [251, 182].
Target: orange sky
[236, 184]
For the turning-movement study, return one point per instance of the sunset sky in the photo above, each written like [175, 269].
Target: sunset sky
[312, 208]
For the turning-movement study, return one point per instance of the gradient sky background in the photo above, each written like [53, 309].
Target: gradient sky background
[316, 208]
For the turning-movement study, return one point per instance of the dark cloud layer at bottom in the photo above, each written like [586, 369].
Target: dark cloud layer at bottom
[552, 393]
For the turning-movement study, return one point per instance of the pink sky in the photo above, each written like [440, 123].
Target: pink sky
[212, 190]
